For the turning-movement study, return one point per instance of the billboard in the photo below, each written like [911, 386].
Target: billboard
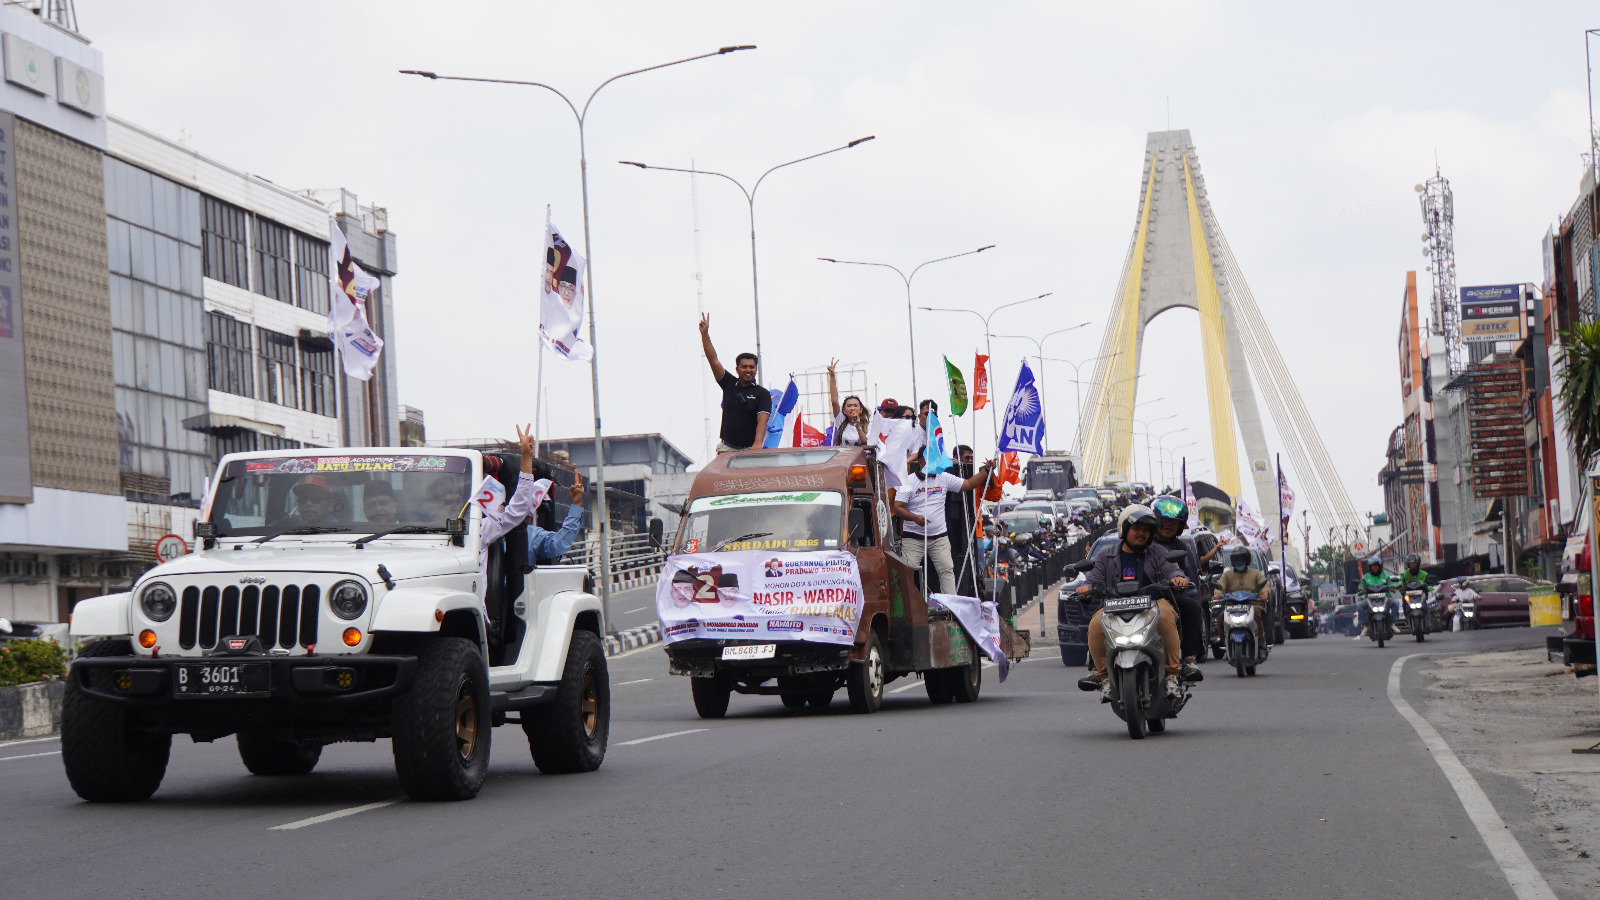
[1491, 313]
[16, 473]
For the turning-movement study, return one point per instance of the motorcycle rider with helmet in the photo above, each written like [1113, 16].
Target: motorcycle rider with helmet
[1241, 577]
[1373, 579]
[1136, 558]
[1172, 516]
[1414, 574]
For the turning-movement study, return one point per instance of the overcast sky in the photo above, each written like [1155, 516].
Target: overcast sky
[1016, 124]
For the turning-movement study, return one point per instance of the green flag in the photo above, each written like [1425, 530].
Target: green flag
[958, 388]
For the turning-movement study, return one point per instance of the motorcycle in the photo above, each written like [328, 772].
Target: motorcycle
[1136, 660]
[1380, 625]
[1416, 610]
[1242, 633]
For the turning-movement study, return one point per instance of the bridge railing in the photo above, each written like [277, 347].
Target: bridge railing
[635, 560]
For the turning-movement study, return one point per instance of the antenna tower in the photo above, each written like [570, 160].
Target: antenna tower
[1439, 246]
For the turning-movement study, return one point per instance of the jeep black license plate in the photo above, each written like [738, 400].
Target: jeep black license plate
[244, 679]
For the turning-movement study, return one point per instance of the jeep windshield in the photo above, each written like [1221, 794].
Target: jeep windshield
[770, 520]
[339, 494]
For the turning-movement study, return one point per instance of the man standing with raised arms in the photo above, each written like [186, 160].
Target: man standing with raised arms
[745, 404]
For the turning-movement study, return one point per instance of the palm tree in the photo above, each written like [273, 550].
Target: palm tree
[1579, 368]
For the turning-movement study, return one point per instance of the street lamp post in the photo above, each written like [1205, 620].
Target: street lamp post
[750, 200]
[988, 345]
[1077, 387]
[1038, 344]
[1133, 463]
[1160, 448]
[1169, 459]
[602, 508]
[911, 330]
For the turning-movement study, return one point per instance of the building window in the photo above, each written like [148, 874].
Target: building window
[228, 355]
[241, 441]
[273, 269]
[311, 273]
[224, 239]
[278, 382]
[316, 380]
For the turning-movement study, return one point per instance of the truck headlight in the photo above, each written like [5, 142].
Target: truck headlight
[347, 599]
[158, 602]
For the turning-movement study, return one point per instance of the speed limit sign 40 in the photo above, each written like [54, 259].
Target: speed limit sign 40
[170, 547]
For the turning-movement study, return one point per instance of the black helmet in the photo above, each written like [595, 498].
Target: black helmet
[1170, 509]
[1239, 558]
[1413, 560]
[1136, 515]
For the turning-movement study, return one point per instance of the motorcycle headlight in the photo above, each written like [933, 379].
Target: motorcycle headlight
[347, 599]
[1139, 622]
[158, 602]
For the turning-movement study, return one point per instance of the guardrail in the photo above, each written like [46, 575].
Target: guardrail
[635, 560]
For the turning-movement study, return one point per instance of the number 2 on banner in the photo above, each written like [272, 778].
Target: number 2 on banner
[705, 588]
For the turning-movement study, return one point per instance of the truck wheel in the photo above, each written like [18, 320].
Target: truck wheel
[791, 694]
[937, 682]
[967, 681]
[865, 681]
[441, 726]
[108, 760]
[264, 754]
[569, 735]
[711, 696]
[822, 699]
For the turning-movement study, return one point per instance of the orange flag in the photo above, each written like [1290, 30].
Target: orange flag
[1008, 472]
[980, 382]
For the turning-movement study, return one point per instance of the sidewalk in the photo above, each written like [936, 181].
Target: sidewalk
[1513, 715]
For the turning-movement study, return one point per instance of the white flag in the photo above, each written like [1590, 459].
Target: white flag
[895, 440]
[347, 315]
[561, 297]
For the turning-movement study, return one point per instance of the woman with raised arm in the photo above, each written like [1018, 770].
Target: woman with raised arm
[850, 421]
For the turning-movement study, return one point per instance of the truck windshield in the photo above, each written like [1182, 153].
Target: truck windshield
[770, 520]
[348, 494]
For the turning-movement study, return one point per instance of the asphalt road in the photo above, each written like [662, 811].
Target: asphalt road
[1303, 782]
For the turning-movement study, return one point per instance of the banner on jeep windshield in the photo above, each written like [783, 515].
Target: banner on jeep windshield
[760, 595]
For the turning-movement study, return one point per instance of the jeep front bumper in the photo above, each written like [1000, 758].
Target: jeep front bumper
[295, 681]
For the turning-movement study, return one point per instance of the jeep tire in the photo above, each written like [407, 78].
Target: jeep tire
[108, 760]
[265, 754]
[441, 726]
[569, 734]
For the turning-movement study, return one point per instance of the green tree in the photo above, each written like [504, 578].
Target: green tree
[1579, 369]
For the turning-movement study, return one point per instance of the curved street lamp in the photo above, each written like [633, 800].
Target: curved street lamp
[750, 199]
[602, 508]
[988, 344]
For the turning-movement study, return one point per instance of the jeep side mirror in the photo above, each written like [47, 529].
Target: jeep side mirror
[858, 524]
[658, 531]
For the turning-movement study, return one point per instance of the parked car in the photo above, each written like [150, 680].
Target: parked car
[1502, 601]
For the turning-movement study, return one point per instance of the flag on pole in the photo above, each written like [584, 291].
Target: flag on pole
[933, 453]
[782, 405]
[958, 388]
[895, 439]
[1285, 498]
[980, 382]
[1023, 429]
[1189, 499]
[561, 297]
[1250, 526]
[347, 315]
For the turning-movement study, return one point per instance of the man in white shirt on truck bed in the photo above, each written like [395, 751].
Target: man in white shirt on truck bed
[919, 502]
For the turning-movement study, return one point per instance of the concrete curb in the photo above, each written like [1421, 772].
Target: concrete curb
[633, 639]
[31, 710]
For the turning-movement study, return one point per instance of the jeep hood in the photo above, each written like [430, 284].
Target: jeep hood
[404, 560]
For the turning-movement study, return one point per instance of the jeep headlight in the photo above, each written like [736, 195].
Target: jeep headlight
[347, 599]
[158, 602]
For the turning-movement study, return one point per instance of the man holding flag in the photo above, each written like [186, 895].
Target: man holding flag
[919, 502]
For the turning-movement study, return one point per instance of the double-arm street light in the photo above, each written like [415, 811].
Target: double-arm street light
[1077, 388]
[1038, 344]
[911, 329]
[602, 509]
[1133, 463]
[750, 199]
[988, 345]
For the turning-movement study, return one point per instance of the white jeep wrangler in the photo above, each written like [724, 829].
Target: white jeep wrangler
[337, 595]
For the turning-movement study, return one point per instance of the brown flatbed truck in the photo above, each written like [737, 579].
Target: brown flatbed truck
[784, 579]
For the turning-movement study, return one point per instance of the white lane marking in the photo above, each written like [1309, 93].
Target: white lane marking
[1526, 882]
[655, 646]
[632, 611]
[635, 681]
[5, 744]
[337, 814]
[657, 737]
[904, 687]
[31, 755]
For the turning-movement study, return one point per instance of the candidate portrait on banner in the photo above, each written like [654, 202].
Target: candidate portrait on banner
[561, 297]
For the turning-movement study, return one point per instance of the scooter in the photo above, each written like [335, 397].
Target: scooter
[1136, 660]
[1242, 633]
[1416, 608]
[1380, 625]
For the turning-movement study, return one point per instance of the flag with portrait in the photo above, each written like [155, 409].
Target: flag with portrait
[561, 297]
[355, 340]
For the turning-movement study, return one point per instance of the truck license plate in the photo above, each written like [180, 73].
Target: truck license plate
[750, 651]
[251, 679]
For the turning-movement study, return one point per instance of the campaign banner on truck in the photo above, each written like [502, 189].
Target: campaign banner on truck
[760, 595]
[981, 619]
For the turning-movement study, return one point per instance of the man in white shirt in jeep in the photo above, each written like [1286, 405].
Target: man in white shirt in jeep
[919, 502]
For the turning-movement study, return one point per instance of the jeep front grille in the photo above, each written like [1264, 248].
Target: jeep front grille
[281, 616]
